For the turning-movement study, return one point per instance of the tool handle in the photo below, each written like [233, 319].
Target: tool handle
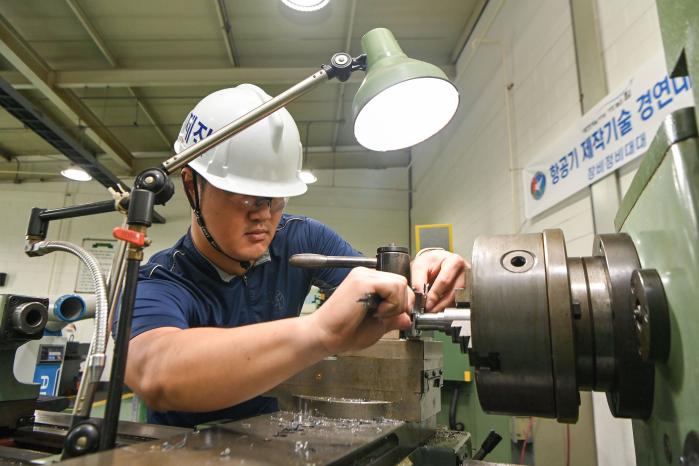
[490, 442]
[371, 301]
[318, 261]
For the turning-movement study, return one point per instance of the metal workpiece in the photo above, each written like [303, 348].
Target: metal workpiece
[454, 322]
[587, 324]
[423, 320]
[407, 374]
[441, 320]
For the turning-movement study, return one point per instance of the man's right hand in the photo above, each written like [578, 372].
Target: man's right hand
[343, 322]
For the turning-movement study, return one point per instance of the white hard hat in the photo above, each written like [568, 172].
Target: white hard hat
[262, 160]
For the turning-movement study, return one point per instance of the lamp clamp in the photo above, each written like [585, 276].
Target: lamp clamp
[156, 180]
[342, 65]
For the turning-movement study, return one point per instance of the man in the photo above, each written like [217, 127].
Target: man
[216, 316]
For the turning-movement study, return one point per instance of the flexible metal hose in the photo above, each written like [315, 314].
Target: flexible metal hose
[98, 346]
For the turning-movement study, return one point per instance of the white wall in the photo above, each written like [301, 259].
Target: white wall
[630, 32]
[519, 92]
[469, 175]
[369, 208]
[55, 273]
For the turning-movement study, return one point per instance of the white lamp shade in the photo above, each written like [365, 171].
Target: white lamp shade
[406, 113]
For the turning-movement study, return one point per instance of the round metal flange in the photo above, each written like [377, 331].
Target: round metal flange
[509, 312]
[583, 324]
[690, 450]
[631, 395]
[649, 306]
[518, 261]
[603, 322]
[561, 326]
[29, 318]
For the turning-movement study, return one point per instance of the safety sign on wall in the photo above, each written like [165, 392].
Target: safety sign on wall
[103, 250]
[613, 133]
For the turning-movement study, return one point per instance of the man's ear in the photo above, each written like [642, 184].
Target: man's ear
[188, 182]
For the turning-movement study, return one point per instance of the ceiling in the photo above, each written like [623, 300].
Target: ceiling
[120, 76]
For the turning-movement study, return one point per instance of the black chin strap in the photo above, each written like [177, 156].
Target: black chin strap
[196, 208]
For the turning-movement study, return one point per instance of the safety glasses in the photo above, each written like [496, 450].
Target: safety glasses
[255, 203]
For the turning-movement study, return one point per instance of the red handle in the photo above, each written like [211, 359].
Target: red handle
[130, 236]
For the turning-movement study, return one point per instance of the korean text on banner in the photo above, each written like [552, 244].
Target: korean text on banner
[612, 134]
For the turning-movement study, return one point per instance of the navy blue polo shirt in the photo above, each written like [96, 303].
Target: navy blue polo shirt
[179, 287]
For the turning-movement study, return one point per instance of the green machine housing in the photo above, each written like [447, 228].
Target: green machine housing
[661, 213]
[22, 318]
[622, 321]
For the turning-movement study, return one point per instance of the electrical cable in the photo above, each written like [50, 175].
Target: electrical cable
[567, 445]
[453, 425]
[530, 428]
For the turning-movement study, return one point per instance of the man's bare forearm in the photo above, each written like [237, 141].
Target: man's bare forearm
[205, 369]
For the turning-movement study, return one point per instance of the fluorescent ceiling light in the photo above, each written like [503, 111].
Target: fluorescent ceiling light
[305, 5]
[76, 173]
[307, 176]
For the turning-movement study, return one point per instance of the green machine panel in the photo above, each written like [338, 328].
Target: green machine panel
[458, 374]
[661, 214]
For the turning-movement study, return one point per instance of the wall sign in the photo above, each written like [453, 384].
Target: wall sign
[613, 133]
[103, 250]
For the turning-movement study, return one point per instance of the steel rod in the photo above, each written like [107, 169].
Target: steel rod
[183, 158]
[318, 261]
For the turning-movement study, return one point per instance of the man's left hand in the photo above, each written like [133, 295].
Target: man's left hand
[444, 271]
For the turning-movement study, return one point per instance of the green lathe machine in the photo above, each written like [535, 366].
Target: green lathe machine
[623, 321]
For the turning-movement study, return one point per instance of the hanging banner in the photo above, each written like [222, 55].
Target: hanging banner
[612, 134]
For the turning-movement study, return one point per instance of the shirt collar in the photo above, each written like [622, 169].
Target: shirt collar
[223, 275]
[227, 277]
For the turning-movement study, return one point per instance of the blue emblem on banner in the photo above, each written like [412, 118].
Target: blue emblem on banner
[538, 185]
